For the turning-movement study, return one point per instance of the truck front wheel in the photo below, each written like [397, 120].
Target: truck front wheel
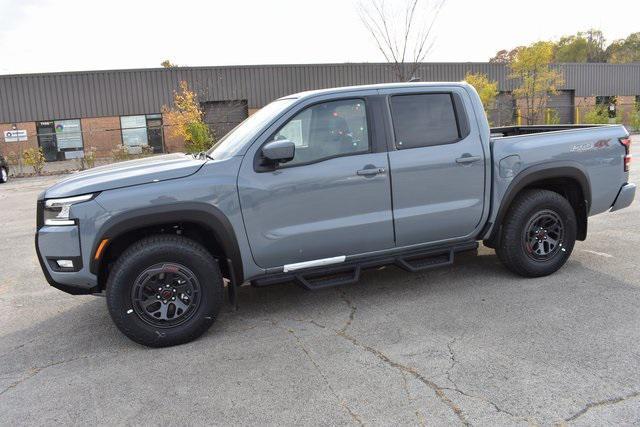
[164, 290]
[538, 233]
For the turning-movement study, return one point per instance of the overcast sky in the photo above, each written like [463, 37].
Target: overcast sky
[66, 35]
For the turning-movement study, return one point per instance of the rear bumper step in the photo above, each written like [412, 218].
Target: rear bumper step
[349, 271]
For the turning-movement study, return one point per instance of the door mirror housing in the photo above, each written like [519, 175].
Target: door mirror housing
[281, 151]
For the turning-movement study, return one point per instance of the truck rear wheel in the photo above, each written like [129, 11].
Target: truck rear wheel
[538, 233]
[164, 290]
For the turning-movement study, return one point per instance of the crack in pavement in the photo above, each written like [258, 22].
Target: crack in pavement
[605, 402]
[455, 388]
[36, 370]
[351, 305]
[454, 362]
[405, 383]
[402, 368]
[354, 416]
[411, 371]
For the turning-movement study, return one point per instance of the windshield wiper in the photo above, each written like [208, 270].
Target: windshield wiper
[203, 154]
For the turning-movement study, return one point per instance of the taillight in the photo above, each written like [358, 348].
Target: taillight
[627, 152]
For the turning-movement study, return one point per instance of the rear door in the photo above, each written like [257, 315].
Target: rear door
[437, 166]
[333, 199]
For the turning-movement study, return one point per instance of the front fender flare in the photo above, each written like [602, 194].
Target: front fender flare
[203, 214]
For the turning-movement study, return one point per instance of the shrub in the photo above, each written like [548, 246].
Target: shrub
[599, 115]
[147, 150]
[634, 118]
[120, 153]
[199, 138]
[34, 157]
[88, 160]
[90, 157]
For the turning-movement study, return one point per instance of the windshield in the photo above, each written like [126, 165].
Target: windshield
[236, 139]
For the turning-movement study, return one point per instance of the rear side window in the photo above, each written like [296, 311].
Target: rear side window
[424, 120]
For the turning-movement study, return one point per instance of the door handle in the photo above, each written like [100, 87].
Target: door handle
[370, 171]
[468, 159]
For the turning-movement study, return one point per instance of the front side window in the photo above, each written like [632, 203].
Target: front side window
[424, 120]
[326, 130]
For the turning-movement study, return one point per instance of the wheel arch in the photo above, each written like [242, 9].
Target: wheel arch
[201, 222]
[566, 178]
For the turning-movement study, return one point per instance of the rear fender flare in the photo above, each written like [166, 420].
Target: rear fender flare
[530, 175]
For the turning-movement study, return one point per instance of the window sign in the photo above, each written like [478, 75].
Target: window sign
[68, 134]
[134, 130]
[15, 135]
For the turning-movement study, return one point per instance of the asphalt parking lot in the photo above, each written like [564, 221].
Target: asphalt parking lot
[471, 344]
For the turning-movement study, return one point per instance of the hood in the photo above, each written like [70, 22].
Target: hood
[125, 174]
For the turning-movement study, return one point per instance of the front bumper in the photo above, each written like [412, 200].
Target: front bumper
[63, 242]
[71, 282]
[625, 197]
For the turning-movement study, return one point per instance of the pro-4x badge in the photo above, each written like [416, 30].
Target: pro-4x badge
[603, 143]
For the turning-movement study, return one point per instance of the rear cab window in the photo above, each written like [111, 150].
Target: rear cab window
[427, 119]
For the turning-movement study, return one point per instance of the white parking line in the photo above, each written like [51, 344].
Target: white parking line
[598, 253]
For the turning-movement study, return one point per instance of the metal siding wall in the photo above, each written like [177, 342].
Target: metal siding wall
[35, 97]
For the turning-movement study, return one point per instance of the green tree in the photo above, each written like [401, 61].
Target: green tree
[185, 120]
[585, 46]
[167, 64]
[34, 157]
[487, 89]
[531, 67]
[625, 50]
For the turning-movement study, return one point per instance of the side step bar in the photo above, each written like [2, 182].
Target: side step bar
[349, 272]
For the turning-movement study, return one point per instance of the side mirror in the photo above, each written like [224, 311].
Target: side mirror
[280, 151]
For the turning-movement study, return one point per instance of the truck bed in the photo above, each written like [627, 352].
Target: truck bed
[594, 149]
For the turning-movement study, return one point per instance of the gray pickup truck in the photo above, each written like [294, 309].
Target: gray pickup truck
[314, 188]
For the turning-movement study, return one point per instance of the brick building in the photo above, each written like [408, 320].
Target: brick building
[66, 113]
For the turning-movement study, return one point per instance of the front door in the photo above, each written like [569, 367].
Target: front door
[47, 140]
[437, 166]
[154, 134]
[333, 199]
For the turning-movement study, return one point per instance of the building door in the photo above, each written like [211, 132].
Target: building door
[154, 133]
[560, 108]
[47, 140]
[222, 116]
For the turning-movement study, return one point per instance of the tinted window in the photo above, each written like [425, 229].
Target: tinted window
[424, 120]
[326, 130]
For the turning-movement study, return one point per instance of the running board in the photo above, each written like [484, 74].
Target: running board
[349, 271]
[425, 261]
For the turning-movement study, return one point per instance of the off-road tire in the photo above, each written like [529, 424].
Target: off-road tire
[512, 249]
[152, 251]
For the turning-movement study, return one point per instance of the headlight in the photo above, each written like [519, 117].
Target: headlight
[56, 211]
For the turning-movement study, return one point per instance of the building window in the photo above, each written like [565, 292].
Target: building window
[60, 139]
[142, 130]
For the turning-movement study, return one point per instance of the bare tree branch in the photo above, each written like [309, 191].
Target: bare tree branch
[407, 27]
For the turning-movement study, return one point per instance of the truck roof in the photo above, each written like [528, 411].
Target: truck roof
[311, 93]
